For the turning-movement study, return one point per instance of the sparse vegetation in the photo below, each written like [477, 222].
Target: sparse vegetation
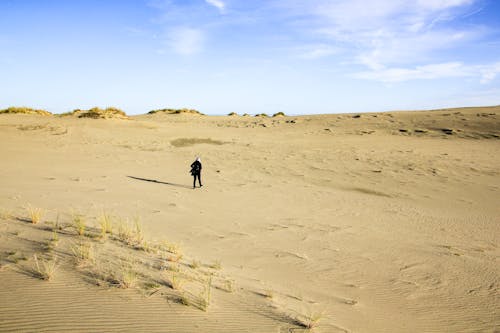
[279, 114]
[162, 261]
[261, 115]
[185, 142]
[232, 114]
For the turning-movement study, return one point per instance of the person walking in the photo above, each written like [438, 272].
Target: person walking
[196, 171]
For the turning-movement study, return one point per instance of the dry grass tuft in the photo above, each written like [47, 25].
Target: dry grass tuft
[5, 214]
[195, 264]
[166, 246]
[206, 296]
[106, 225]
[216, 265]
[124, 232]
[126, 275]
[229, 285]
[176, 280]
[79, 224]
[175, 258]
[131, 235]
[184, 300]
[84, 253]
[268, 293]
[53, 241]
[309, 321]
[35, 214]
[45, 269]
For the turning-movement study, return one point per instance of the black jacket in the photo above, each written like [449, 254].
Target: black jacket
[196, 168]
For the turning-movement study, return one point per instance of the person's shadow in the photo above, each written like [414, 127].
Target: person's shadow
[158, 182]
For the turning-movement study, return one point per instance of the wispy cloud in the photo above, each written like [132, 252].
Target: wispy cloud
[317, 51]
[388, 32]
[433, 71]
[489, 73]
[220, 5]
[186, 41]
[485, 73]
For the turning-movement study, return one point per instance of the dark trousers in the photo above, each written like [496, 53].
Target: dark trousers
[196, 175]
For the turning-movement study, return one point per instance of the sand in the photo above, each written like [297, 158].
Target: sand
[377, 222]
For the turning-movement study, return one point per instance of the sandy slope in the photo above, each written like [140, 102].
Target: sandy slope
[384, 222]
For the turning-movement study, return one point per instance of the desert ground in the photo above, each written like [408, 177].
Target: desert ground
[371, 222]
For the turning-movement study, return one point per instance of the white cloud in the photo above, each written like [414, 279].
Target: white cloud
[485, 73]
[489, 73]
[433, 71]
[186, 41]
[391, 33]
[442, 4]
[317, 51]
[220, 5]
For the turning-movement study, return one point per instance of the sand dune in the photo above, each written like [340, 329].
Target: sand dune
[373, 222]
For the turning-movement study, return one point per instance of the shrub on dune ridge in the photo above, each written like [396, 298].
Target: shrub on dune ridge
[97, 113]
[25, 110]
[176, 111]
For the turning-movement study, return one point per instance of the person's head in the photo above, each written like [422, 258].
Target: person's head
[198, 159]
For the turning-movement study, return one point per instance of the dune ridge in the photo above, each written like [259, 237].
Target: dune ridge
[373, 222]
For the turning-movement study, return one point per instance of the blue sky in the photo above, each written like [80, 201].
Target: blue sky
[221, 56]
